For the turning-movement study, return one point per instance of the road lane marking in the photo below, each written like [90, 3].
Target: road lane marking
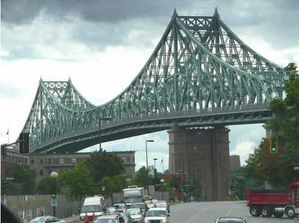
[196, 215]
[229, 210]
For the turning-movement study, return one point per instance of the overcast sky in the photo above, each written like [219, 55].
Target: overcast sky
[102, 45]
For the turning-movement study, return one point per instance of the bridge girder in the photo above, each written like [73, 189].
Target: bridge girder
[199, 65]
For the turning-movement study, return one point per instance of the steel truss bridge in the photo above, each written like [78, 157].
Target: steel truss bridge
[200, 74]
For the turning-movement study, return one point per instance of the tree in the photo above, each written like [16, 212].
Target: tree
[277, 168]
[23, 181]
[142, 177]
[102, 164]
[78, 182]
[44, 186]
[114, 184]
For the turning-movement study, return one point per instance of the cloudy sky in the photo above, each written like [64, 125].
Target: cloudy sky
[102, 44]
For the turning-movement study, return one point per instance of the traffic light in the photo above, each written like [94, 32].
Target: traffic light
[273, 145]
[24, 142]
[3, 150]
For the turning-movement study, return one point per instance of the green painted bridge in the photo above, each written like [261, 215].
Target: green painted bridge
[200, 74]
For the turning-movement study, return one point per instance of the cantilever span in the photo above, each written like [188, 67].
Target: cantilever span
[200, 74]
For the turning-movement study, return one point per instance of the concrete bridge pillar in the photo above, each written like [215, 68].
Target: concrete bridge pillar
[202, 156]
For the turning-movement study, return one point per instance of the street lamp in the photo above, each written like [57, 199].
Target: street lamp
[172, 163]
[146, 141]
[162, 186]
[53, 176]
[100, 129]
[155, 162]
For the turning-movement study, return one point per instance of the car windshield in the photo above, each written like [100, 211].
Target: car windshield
[111, 210]
[156, 213]
[39, 219]
[133, 211]
[119, 205]
[137, 205]
[106, 221]
[91, 208]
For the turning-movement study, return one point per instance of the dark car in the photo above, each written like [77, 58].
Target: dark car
[141, 206]
[120, 207]
[115, 218]
[230, 220]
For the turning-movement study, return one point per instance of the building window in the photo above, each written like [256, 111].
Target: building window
[32, 161]
[61, 161]
[74, 161]
[41, 172]
[67, 161]
[41, 161]
[49, 161]
[55, 161]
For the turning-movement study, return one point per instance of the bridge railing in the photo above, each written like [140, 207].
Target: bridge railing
[190, 113]
[90, 132]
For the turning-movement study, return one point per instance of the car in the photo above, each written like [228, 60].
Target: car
[230, 220]
[111, 210]
[151, 205]
[113, 218]
[163, 204]
[157, 215]
[136, 215]
[127, 217]
[141, 206]
[46, 219]
[120, 207]
[92, 206]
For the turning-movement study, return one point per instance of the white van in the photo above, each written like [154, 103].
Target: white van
[92, 207]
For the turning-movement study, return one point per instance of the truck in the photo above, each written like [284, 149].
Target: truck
[92, 207]
[133, 194]
[274, 202]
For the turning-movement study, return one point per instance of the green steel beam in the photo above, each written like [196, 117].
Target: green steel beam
[199, 67]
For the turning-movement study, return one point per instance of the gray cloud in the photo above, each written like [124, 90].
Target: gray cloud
[24, 11]
[102, 23]
[274, 21]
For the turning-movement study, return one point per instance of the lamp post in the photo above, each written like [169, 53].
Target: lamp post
[146, 141]
[172, 163]
[155, 162]
[100, 129]
[53, 176]
[162, 186]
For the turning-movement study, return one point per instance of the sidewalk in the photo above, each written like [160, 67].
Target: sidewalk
[74, 218]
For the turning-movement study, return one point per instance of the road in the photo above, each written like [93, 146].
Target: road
[206, 212]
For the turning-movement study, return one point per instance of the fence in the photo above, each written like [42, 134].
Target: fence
[28, 207]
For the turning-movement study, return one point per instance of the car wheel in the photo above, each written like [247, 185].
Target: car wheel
[290, 212]
[278, 214]
[266, 211]
[255, 211]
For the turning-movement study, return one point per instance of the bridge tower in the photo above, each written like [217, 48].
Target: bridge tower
[202, 157]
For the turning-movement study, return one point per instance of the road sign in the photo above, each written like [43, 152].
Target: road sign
[53, 200]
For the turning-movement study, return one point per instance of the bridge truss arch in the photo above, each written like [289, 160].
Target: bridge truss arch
[199, 74]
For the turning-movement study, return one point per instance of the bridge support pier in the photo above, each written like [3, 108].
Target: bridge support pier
[202, 157]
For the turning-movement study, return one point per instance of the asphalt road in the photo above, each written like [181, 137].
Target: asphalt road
[207, 212]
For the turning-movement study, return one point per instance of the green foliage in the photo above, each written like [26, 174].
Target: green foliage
[195, 190]
[114, 184]
[277, 168]
[78, 182]
[102, 164]
[142, 177]
[44, 186]
[23, 180]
